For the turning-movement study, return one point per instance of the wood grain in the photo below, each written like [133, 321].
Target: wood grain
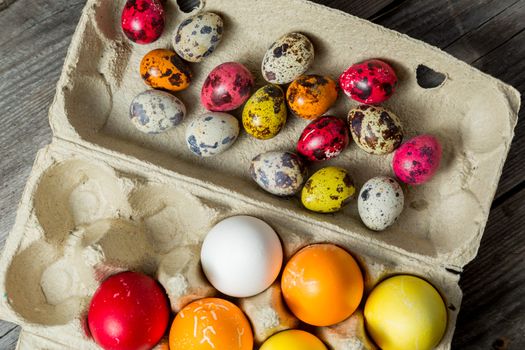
[488, 33]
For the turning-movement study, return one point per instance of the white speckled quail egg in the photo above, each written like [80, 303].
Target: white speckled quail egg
[280, 173]
[287, 58]
[375, 129]
[380, 202]
[155, 111]
[198, 36]
[212, 133]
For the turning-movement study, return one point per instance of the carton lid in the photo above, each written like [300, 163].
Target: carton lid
[471, 113]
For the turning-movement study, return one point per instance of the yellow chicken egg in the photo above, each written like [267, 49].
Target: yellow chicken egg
[293, 340]
[405, 313]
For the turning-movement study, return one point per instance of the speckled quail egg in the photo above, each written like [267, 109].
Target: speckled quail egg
[376, 130]
[280, 173]
[264, 114]
[287, 58]
[328, 190]
[155, 111]
[198, 36]
[380, 202]
[212, 133]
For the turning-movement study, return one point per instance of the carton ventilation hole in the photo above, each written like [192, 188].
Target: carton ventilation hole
[428, 78]
[188, 6]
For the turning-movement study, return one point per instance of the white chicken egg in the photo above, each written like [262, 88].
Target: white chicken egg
[241, 256]
[380, 202]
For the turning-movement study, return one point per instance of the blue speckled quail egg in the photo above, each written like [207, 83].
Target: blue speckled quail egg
[212, 133]
[198, 36]
[155, 111]
[280, 173]
[288, 58]
[380, 202]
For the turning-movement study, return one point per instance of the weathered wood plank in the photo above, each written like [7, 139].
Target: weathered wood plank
[493, 284]
[360, 8]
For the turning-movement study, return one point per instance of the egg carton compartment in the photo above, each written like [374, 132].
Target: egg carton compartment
[472, 114]
[156, 226]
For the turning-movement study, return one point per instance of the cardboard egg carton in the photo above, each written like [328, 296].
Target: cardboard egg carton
[103, 197]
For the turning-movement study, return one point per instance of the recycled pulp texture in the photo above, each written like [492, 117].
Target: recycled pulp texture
[104, 197]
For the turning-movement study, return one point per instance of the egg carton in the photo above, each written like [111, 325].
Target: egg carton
[104, 197]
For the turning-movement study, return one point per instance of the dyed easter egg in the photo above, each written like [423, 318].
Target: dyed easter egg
[198, 36]
[327, 190]
[380, 202]
[227, 87]
[154, 111]
[124, 306]
[287, 58]
[241, 256]
[370, 82]
[322, 284]
[143, 20]
[417, 160]
[264, 114]
[310, 96]
[163, 69]
[280, 173]
[293, 339]
[404, 313]
[376, 130]
[212, 133]
[209, 324]
[322, 139]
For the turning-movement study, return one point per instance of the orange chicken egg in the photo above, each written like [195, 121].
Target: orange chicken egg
[209, 324]
[322, 284]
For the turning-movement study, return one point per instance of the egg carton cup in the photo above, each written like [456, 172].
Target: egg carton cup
[104, 197]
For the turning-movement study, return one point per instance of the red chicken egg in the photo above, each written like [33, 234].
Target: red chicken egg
[143, 20]
[323, 139]
[369, 82]
[128, 311]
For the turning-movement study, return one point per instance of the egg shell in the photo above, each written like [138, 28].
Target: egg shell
[212, 133]
[324, 138]
[287, 58]
[209, 324]
[153, 111]
[417, 160]
[310, 96]
[405, 312]
[227, 87]
[142, 21]
[328, 190]
[322, 284]
[280, 173]
[163, 69]
[264, 115]
[376, 130]
[370, 82]
[198, 36]
[124, 306]
[380, 202]
[241, 256]
[293, 339]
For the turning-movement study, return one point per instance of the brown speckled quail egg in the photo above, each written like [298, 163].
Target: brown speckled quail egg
[376, 130]
[212, 133]
[287, 58]
[198, 36]
[155, 111]
[280, 173]
[380, 202]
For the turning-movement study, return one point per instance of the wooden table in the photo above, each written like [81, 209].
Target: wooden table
[489, 34]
